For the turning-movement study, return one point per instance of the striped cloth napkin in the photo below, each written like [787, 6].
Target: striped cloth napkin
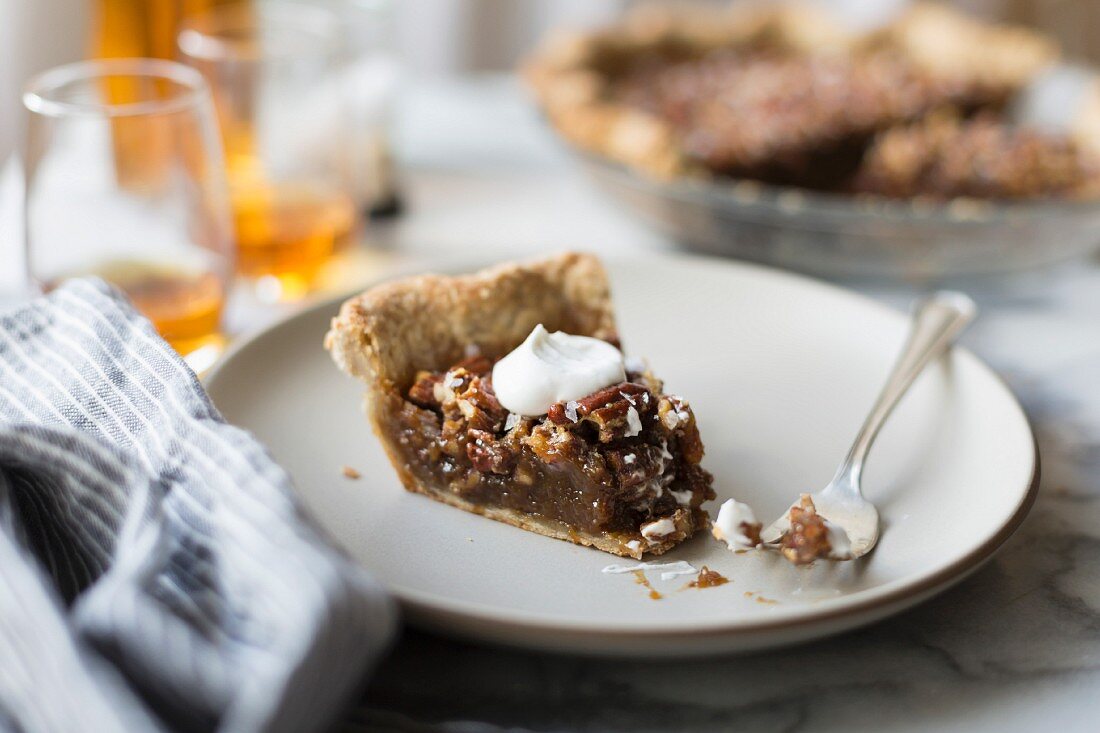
[156, 572]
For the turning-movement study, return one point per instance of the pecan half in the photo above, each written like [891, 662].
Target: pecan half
[422, 393]
[476, 364]
[616, 411]
[488, 454]
[481, 407]
[469, 398]
[556, 445]
[626, 393]
[453, 383]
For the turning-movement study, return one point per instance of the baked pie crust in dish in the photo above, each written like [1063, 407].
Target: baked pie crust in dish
[617, 469]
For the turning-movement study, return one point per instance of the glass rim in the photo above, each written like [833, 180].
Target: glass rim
[206, 37]
[37, 92]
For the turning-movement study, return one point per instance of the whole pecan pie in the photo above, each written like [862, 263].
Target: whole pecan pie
[617, 469]
[790, 95]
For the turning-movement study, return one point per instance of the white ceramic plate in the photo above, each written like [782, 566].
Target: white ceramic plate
[780, 370]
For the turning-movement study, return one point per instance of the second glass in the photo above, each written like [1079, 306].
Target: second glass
[125, 180]
[273, 69]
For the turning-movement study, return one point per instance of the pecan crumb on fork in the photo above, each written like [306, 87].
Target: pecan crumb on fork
[808, 538]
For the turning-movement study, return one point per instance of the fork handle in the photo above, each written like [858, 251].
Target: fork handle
[937, 320]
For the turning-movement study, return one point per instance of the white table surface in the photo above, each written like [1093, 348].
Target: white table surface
[1014, 648]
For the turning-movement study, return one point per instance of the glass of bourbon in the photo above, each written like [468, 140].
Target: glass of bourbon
[125, 179]
[274, 69]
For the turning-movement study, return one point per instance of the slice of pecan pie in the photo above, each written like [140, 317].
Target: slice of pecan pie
[615, 466]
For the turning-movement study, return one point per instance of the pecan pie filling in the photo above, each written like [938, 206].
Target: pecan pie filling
[621, 462]
[871, 124]
[784, 118]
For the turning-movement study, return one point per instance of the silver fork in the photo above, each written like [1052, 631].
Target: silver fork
[937, 320]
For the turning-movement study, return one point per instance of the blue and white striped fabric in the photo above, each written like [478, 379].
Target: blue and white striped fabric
[156, 572]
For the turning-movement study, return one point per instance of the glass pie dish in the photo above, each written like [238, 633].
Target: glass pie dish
[837, 235]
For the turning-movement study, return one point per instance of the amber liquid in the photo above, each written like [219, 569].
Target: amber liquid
[288, 232]
[142, 29]
[185, 307]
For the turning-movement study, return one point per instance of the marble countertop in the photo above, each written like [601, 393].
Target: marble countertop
[1015, 647]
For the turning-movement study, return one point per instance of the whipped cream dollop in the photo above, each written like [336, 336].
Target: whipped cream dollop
[727, 527]
[554, 367]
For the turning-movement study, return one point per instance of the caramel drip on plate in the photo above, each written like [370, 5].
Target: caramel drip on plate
[642, 580]
[708, 579]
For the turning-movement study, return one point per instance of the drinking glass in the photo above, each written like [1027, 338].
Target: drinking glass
[273, 71]
[151, 215]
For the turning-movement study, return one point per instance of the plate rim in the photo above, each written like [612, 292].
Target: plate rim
[424, 606]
